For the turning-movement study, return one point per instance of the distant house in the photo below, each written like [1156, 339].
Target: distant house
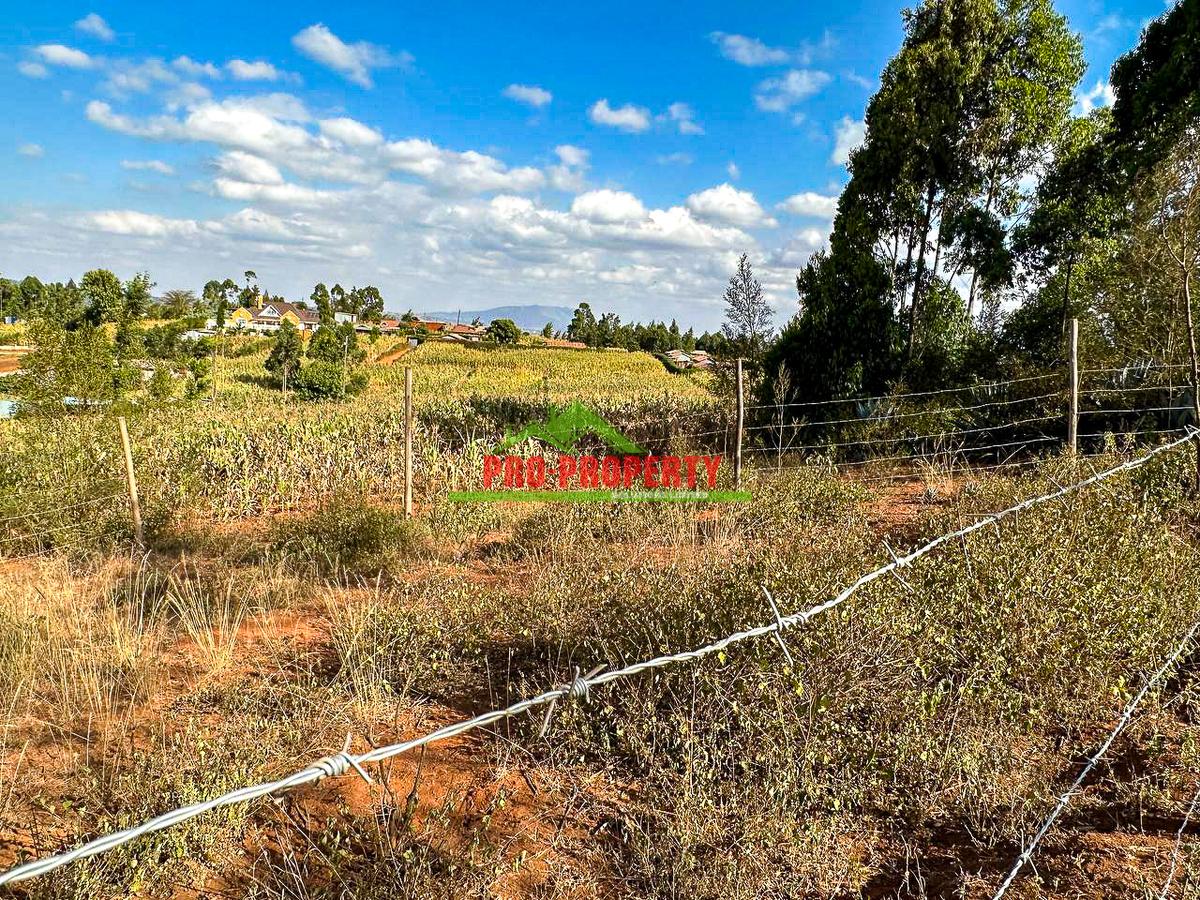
[468, 333]
[429, 325]
[271, 316]
[343, 317]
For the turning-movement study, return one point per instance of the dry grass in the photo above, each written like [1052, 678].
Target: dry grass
[921, 734]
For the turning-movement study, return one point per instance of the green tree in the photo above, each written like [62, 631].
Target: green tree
[62, 304]
[137, 296]
[1157, 86]
[369, 304]
[548, 330]
[1067, 213]
[321, 300]
[583, 325]
[104, 295]
[748, 315]
[287, 353]
[504, 332]
[79, 364]
[178, 303]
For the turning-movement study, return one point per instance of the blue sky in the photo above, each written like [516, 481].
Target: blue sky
[453, 154]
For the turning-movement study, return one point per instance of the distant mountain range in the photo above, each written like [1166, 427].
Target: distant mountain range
[529, 318]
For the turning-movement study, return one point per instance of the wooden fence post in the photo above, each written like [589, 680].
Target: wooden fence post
[741, 424]
[408, 442]
[1073, 388]
[131, 483]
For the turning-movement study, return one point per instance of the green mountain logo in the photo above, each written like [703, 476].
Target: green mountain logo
[567, 426]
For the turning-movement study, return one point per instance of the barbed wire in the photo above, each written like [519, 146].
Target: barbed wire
[906, 396]
[29, 536]
[37, 492]
[578, 690]
[1065, 799]
[909, 415]
[1187, 818]
[1032, 420]
[58, 509]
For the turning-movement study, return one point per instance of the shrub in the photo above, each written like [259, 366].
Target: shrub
[321, 380]
[347, 534]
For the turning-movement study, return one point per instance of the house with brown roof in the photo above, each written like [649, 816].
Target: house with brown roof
[272, 315]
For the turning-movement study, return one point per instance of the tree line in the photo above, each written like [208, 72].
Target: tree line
[981, 214]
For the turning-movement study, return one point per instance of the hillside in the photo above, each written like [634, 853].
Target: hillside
[531, 318]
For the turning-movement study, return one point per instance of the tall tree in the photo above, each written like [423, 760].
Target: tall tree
[177, 303]
[104, 294]
[1157, 86]
[321, 299]
[287, 353]
[748, 315]
[1067, 213]
[137, 295]
[583, 325]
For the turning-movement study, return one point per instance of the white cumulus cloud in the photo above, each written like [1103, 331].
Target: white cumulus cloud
[1100, 95]
[748, 51]
[194, 69]
[31, 69]
[354, 62]
[726, 204]
[811, 204]
[260, 70]
[847, 136]
[350, 132]
[247, 167]
[608, 206]
[782, 93]
[94, 25]
[625, 118]
[147, 165]
[529, 94]
[31, 151]
[683, 117]
[62, 55]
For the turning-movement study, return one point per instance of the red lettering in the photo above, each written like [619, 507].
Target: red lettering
[588, 475]
[691, 461]
[712, 463]
[610, 471]
[514, 471]
[670, 471]
[535, 471]
[650, 472]
[632, 469]
[566, 468]
[492, 466]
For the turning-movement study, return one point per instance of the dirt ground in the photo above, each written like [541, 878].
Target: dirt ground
[547, 821]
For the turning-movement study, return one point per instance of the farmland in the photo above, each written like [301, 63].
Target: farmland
[914, 740]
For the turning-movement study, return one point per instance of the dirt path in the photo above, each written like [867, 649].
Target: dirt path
[391, 356]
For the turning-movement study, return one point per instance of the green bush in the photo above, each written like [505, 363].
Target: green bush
[348, 535]
[321, 380]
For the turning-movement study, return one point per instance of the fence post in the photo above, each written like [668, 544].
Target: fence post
[408, 442]
[741, 424]
[1073, 388]
[131, 483]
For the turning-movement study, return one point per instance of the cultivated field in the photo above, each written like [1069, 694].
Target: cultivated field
[915, 741]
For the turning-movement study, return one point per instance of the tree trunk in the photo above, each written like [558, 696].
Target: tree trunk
[912, 236]
[1191, 329]
[1066, 308]
[914, 308]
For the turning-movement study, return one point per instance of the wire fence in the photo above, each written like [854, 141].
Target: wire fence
[1065, 799]
[577, 691]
